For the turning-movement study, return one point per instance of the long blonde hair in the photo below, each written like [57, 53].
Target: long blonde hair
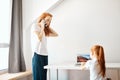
[99, 52]
[43, 16]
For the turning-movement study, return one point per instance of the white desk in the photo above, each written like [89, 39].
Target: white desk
[73, 66]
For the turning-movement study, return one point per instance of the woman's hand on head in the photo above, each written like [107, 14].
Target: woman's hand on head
[42, 24]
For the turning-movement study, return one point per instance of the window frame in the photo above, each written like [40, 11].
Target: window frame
[3, 71]
[4, 45]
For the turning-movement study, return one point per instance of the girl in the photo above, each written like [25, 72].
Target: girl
[40, 31]
[96, 64]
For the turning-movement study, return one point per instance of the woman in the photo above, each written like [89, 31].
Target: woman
[40, 32]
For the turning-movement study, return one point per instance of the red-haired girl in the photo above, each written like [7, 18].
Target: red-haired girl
[97, 63]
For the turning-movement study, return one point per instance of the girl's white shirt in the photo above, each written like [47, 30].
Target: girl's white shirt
[94, 68]
[40, 47]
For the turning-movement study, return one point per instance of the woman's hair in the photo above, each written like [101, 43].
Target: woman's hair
[99, 52]
[42, 17]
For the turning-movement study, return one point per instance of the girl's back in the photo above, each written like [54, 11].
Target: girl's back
[94, 69]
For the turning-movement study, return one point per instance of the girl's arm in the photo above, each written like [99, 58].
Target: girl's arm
[53, 33]
[86, 65]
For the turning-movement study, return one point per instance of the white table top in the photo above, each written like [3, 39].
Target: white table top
[77, 67]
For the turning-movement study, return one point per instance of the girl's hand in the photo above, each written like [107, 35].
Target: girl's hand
[83, 63]
[82, 66]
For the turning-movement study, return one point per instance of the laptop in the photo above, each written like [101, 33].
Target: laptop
[82, 58]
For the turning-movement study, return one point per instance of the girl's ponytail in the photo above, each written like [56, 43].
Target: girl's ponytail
[101, 60]
[99, 51]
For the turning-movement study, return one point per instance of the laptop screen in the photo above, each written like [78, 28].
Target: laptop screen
[82, 57]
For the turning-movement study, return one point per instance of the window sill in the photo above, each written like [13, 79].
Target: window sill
[3, 71]
[15, 76]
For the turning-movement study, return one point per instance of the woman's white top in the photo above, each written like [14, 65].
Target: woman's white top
[94, 68]
[40, 47]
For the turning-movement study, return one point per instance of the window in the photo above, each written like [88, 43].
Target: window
[5, 12]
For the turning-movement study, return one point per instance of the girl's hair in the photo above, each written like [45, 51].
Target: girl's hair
[99, 52]
[42, 17]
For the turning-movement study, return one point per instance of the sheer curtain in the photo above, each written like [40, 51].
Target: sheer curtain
[16, 58]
